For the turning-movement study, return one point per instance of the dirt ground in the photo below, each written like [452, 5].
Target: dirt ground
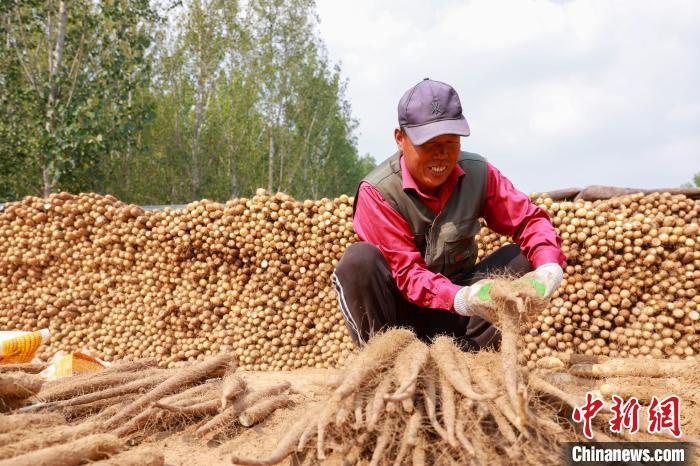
[308, 388]
[356, 412]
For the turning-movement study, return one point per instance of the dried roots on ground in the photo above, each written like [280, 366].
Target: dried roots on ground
[113, 415]
[398, 401]
[401, 401]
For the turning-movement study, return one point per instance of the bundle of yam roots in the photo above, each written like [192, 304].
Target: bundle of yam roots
[397, 401]
[252, 276]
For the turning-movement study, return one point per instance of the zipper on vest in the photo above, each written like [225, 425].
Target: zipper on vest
[429, 247]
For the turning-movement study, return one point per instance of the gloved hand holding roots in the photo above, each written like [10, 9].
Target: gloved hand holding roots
[477, 299]
[505, 303]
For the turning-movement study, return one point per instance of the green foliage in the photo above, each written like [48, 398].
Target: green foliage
[226, 98]
[68, 71]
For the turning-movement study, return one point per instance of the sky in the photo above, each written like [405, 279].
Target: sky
[557, 94]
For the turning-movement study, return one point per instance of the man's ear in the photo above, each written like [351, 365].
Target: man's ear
[399, 137]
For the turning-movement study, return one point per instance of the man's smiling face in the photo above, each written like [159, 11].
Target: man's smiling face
[432, 162]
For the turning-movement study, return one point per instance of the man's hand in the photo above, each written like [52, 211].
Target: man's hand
[469, 298]
[545, 279]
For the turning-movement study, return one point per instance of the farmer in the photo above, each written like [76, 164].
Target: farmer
[417, 214]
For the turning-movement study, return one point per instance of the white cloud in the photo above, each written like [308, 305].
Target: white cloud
[557, 94]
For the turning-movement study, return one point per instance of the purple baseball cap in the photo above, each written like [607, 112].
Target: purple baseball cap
[430, 109]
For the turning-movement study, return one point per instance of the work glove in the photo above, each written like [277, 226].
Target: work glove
[469, 299]
[545, 279]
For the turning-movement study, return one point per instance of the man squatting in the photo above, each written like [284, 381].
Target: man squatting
[417, 214]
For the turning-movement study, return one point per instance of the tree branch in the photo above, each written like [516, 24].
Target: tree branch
[63, 17]
[73, 74]
[25, 66]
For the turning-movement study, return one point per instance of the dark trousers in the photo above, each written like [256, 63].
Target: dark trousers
[371, 301]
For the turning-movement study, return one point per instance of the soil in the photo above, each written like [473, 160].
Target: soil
[313, 391]
[308, 388]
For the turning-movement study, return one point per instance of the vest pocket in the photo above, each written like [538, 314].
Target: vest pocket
[460, 251]
[459, 245]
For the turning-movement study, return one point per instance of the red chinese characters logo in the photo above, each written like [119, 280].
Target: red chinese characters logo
[662, 415]
[587, 412]
[665, 414]
[625, 415]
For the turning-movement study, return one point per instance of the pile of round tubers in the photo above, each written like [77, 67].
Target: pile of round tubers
[631, 283]
[253, 276]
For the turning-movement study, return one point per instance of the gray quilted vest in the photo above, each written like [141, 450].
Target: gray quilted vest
[446, 241]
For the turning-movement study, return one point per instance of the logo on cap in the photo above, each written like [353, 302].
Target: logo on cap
[435, 106]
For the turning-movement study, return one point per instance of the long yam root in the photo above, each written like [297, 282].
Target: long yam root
[344, 411]
[548, 425]
[540, 385]
[21, 422]
[130, 366]
[90, 448]
[635, 368]
[569, 359]
[410, 437]
[407, 368]
[378, 351]
[443, 353]
[382, 441]
[143, 456]
[263, 408]
[352, 456]
[509, 317]
[448, 408]
[130, 387]
[230, 414]
[462, 439]
[321, 425]
[87, 383]
[418, 458]
[232, 386]
[377, 405]
[184, 377]
[430, 401]
[203, 408]
[195, 394]
[502, 423]
[29, 368]
[359, 419]
[19, 384]
[107, 412]
[46, 438]
[137, 422]
[80, 411]
[159, 413]
[549, 362]
[284, 448]
[500, 403]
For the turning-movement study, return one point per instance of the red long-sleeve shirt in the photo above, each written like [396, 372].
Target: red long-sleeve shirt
[507, 211]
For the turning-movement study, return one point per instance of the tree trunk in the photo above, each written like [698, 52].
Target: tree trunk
[232, 151]
[233, 170]
[46, 178]
[281, 175]
[304, 157]
[129, 149]
[234, 178]
[198, 111]
[271, 162]
[198, 115]
[50, 172]
[305, 188]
